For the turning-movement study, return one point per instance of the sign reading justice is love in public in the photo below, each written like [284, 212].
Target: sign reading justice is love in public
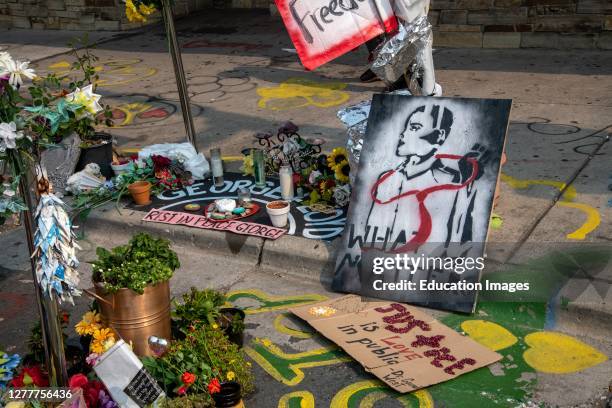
[404, 347]
[322, 30]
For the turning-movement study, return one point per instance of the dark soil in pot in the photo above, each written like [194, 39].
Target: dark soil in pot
[231, 321]
[98, 149]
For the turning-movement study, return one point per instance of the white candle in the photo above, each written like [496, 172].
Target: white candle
[286, 182]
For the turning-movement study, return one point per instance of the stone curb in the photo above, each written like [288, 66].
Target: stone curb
[296, 257]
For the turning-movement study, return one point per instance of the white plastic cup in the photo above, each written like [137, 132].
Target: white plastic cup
[278, 213]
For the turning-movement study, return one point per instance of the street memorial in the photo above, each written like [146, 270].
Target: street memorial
[201, 221]
[404, 347]
[302, 220]
[419, 214]
[322, 30]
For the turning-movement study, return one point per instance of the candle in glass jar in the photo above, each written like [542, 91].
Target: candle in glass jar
[259, 167]
[286, 182]
[216, 164]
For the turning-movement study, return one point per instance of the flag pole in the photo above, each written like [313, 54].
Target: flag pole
[179, 72]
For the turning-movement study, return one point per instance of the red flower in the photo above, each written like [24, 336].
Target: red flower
[297, 179]
[182, 390]
[31, 376]
[78, 381]
[188, 378]
[214, 386]
[160, 162]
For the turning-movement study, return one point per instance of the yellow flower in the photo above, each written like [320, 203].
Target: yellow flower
[132, 12]
[92, 317]
[231, 376]
[247, 168]
[342, 172]
[248, 363]
[337, 157]
[103, 339]
[88, 324]
[146, 10]
[215, 326]
[86, 329]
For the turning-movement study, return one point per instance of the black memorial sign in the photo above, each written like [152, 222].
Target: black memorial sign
[302, 221]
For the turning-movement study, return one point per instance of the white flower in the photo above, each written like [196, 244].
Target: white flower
[342, 195]
[8, 136]
[15, 69]
[9, 193]
[86, 98]
[312, 178]
[4, 56]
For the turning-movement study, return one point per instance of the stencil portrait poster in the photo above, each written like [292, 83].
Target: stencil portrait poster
[422, 200]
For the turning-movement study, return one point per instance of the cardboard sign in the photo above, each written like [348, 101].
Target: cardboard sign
[322, 30]
[424, 193]
[404, 347]
[200, 221]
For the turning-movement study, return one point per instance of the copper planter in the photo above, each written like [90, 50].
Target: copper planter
[137, 317]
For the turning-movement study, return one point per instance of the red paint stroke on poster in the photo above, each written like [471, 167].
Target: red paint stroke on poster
[200, 221]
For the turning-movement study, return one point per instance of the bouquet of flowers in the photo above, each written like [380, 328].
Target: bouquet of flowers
[327, 181]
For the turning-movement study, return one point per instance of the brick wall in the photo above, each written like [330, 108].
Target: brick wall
[457, 23]
[99, 15]
[522, 23]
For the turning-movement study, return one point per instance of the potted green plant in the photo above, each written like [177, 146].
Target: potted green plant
[194, 369]
[206, 306]
[132, 286]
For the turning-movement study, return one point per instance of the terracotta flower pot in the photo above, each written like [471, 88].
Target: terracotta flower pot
[141, 192]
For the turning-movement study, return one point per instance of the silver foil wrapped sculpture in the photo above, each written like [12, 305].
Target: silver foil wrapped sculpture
[404, 53]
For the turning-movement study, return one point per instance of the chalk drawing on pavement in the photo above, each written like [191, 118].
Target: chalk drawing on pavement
[210, 88]
[593, 218]
[297, 399]
[267, 303]
[281, 327]
[557, 353]
[287, 368]
[300, 93]
[111, 72]
[489, 334]
[514, 329]
[141, 110]
[367, 393]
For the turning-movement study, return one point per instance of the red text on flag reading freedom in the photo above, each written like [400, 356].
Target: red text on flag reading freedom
[322, 30]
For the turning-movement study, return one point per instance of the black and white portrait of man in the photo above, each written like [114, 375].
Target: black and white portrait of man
[426, 182]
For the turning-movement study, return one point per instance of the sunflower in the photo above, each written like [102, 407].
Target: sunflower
[337, 157]
[342, 171]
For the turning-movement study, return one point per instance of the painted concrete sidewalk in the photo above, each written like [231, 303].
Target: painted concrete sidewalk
[555, 190]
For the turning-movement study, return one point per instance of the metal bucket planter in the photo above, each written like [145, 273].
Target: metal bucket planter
[137, 317]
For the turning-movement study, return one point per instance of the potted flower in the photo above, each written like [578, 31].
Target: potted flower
[96, 146]
[132, 286]
[206, 307]
[197, 367]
